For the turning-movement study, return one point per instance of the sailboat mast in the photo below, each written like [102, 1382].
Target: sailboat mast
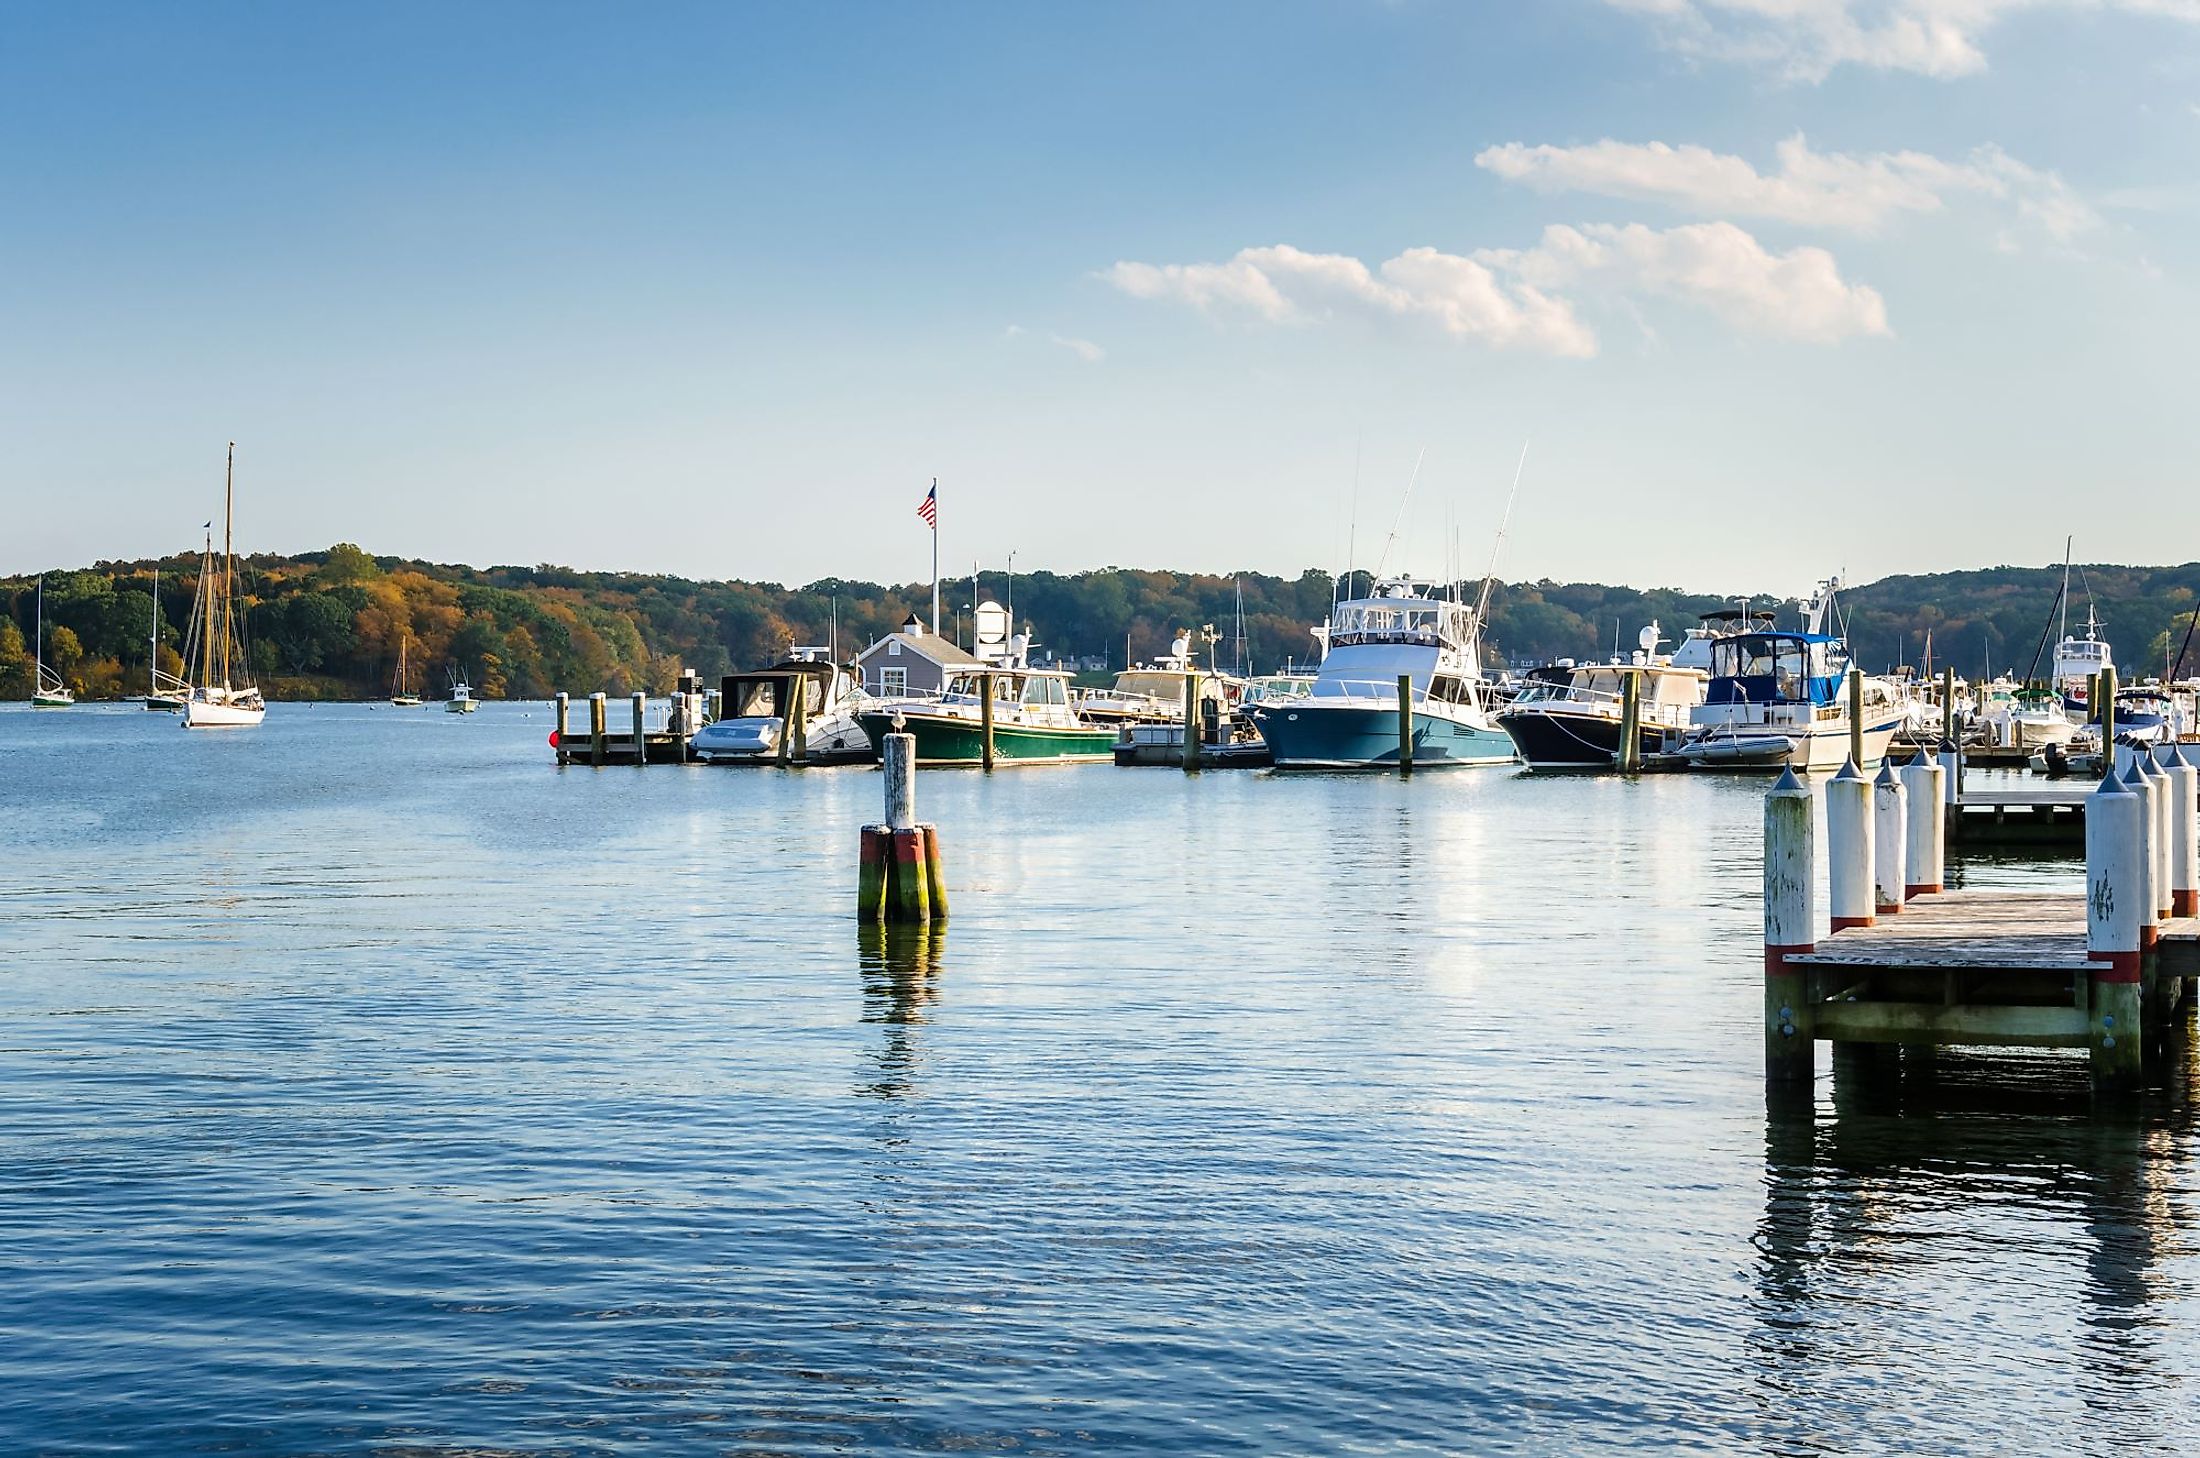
[229, 577]
[152, 663]
[38, 640]
[206, 609]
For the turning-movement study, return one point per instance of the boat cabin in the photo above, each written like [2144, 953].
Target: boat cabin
[1777, 668]
[769, 693]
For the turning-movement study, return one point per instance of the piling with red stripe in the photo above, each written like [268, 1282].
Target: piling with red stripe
[899, 877]
[2150, 920]
[2115, 850]
[1849, 835]
[2158, 794]
[1791, 891]
[1925, 787]
[1890, 841]
[2184, 837]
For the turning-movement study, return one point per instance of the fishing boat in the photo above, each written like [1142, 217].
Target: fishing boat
[166, 690]
[1779, 699]
[1153, 693]
[1576, 721]
[47, 689]
[1033, 719]
[1348, 718]
[754, 709]
[223, 695]
[401, 694]
[461, 700]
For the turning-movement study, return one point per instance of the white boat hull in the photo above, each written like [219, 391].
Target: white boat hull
[212, 714]
[754, 739]
[1801, 747]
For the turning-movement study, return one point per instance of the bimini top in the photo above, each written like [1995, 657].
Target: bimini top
[1777, 668]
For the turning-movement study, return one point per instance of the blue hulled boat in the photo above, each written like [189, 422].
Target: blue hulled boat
[1347, 718]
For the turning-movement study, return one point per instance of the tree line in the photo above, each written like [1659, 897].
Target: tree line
[332, 624]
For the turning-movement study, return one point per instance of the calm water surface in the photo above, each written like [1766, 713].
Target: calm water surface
[369, 1085]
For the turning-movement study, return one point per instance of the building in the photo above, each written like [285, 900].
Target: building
[912, 661]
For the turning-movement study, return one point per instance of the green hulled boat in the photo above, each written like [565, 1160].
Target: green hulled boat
[1033, 722]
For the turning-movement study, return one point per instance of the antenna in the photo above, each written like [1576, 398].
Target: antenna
[1352, 532]
[1482, 604]
[1399, 519]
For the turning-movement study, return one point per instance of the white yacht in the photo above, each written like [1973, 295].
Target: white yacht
[1348, 718]
[1571, 718]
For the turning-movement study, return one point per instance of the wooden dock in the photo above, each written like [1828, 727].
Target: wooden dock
[2042, 812]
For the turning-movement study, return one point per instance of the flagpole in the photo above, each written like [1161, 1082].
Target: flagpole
[935, 556]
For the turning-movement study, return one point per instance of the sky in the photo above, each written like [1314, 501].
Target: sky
[1766, 289]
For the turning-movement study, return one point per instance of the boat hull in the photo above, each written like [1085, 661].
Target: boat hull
[52, 701]
[202, 714]
[1554, 740]
[942, 740]
[1803, 747]
[835, 739]
[1310, 735]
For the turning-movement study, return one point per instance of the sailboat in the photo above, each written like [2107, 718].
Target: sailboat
[224, 696]
[401, 693]
[168, 691]
[47, 689]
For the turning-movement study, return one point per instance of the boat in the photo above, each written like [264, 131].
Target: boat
[1574, 720]
[401, 694]
[1033, 719]
[2145, 715]
[223, 695]
[1780, 699]
[47, 689]
[1153, 693]
[753, 710]
[2023, 719]
[462, 699]
[2078, 661]
[167, 691]
[1348, 716]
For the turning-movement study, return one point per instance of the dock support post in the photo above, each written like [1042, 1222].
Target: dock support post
[1856, 720]
[1630, 723]
[1927, 849]
[985, 721]
[1849, 877]
[1191, 719]
[2142, 874]
[1948, 705]
[1890, 842]
[1791, 832]
[2159, 832]
[641, 741]
[598, 712]
[1405, 724]
[561, 701]
[2113, 831]
[899, 878]
[2184, 837]
[799, 718]
[2104, 689]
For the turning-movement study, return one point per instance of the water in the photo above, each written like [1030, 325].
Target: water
[369, 1085]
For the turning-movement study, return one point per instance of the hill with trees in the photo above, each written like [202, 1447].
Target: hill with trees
[330, 624]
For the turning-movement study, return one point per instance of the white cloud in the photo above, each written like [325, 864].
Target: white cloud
[1520, 299]
[1799, 294]
[1808, 39]
[1084, 349]
[1282, 284]
[1859, 193]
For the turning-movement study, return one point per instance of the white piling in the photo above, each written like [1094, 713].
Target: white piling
[2159, 795]
[1849, 847]
[1791, 889]
[2184, 837]
[1951, 772]
[898, 757]
[2115, 906]
[1890, 841]
[1924, 787]
[2142, 875]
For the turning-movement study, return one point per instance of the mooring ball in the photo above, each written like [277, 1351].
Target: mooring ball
[553, 739]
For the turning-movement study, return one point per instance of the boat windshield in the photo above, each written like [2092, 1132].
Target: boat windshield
[1759, 668]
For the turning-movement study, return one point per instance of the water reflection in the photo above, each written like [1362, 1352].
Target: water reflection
[900, 968]
[1922, 1181]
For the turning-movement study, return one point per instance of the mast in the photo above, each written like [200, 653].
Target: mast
[1482, 603]
[152, 664]
[38, 641]
[229, 579]
[205, 597]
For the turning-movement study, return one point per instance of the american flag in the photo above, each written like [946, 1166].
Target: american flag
[929, 508]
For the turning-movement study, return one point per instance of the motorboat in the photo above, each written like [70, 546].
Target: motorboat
[754, 709]
[1574, 719]
[1349, 716]
[1033, 720]
[1153, 693]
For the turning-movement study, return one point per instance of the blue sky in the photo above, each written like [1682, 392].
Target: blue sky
[1774, 287]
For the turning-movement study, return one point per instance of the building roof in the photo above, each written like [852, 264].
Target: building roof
[926, 645]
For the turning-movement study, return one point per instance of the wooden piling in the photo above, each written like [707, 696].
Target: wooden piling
[598, 712]
[798, 718]
[1849, 836]
[1856, 722]
[899, 877]
[874, 865]
[935, 878]
[1191, 719]
[1790, 929]
[985, 720]
[559, 707]
[641, 740]
[2113, 833]
[1949, 729]
[1405, 724]
[898, 765]
[911, 895]
[1890, 842]
[1630, 723]
[1925, 854]
[2105, 711]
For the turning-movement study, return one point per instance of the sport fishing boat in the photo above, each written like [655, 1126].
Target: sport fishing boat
[753, 711]
[462, 699]
[1779, 699]
[1575, 721]
[1153, 693]
[47, 689]
[1348, 716]
[223, 697]
[1033, 720]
